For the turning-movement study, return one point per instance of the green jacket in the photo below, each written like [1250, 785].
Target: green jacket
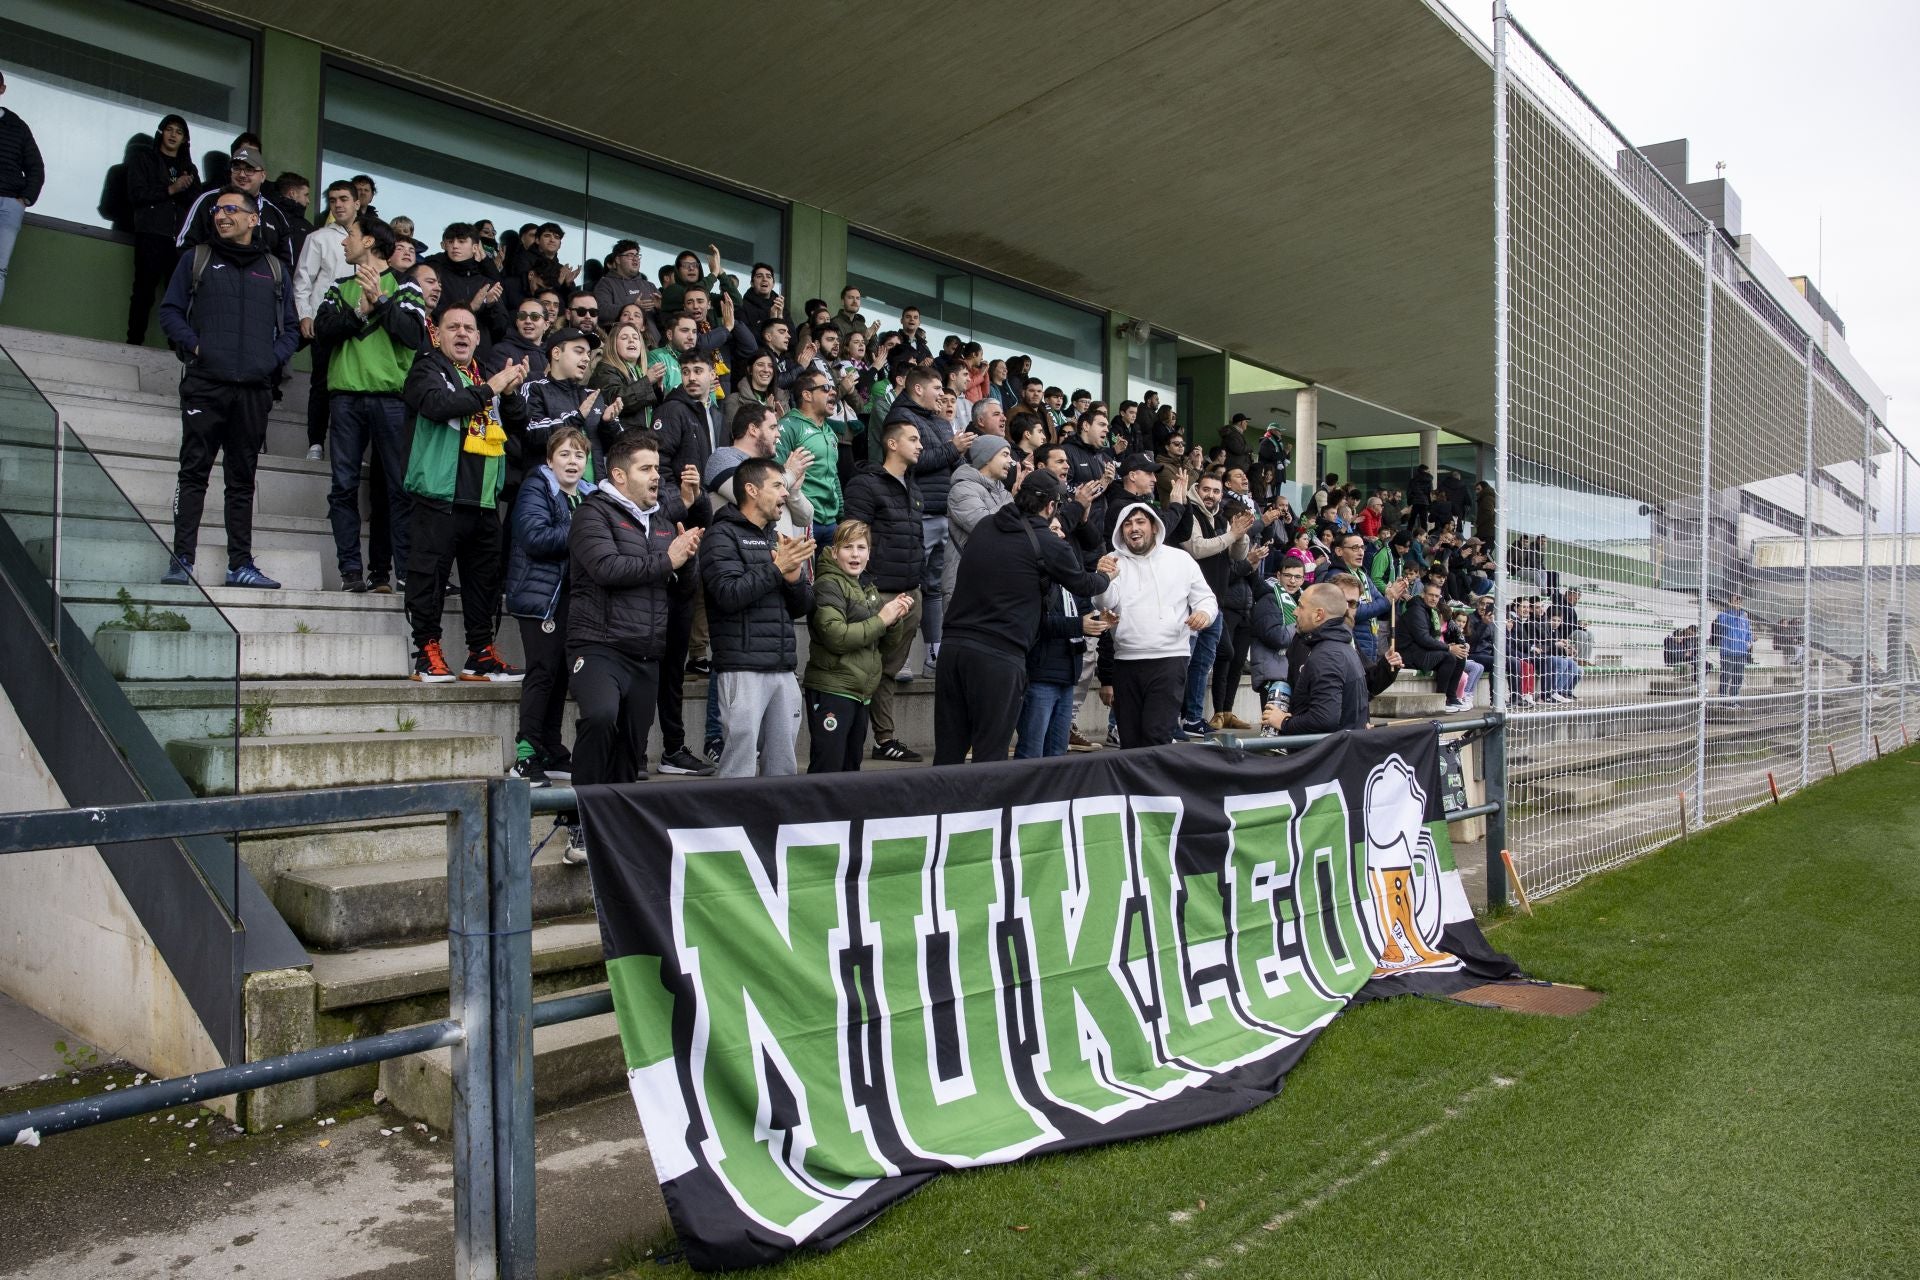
[848, 634]
[1381, 567]
[821, 484]
[372, 353]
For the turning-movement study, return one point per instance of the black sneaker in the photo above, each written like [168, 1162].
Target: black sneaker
[682, 761]
[558, 768]
[379, 585]
[714, 748]
[896, 750]
[354, 583]
[530, 770]
[699, 667]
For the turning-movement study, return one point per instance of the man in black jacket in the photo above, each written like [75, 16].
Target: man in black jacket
[1329, 682]
[274, 230]
[527, 344]
[466, 278]
[1419, 497]
[628, 543]
[941, 450]
[688, 427]
[887, 498]
[757, 583]
[21, 175]
[233, 328]
[1011, 562]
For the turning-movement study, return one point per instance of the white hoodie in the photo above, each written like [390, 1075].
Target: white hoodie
[1155, 593]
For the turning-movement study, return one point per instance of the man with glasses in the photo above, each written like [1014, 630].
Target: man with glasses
[805, 427]
[583, 313]
[232, 322]
[527, 344]
[248, 173]
[624, 285]
[1350, 557]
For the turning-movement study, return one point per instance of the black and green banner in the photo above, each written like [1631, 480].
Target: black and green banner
[830, 989]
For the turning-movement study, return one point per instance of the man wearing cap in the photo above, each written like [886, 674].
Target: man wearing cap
[1138, 474]
[274, 231]
[625, 283]
[1012, 560]
[1233, 438]
[979, 489]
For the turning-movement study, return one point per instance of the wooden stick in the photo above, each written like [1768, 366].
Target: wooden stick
[1876, 747]
[1904, 741]
[1513, 878]
[1683, 813]
[1773, 787]
[1833, 761]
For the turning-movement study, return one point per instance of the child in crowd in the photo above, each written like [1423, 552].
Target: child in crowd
[537, 596]
[850, 628]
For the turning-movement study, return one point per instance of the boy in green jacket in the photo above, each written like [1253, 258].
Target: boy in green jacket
[850, 628]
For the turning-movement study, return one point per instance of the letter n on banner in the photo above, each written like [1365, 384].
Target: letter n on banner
[763, 955]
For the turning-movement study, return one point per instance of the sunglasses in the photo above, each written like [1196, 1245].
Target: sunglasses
[532, 315]
[585, 311]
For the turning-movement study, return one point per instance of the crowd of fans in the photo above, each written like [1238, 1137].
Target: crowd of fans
[666, 475]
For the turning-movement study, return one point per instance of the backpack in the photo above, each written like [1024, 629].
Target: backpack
[203, 253]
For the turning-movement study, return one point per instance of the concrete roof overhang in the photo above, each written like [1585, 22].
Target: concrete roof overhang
[1307, 185]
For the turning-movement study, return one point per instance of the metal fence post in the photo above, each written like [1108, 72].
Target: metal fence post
[1806, 588]
[1866, 587]
[469, 999]
[1706, 518]
[1496, 766]
[510, 880]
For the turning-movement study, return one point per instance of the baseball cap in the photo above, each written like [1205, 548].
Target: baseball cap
[1139, 462]
[1240, 417]
[249, 157]
[1047, 483]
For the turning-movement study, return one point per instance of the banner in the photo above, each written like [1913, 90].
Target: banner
[830, 989]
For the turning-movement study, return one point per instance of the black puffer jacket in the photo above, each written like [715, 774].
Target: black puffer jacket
[750, 605]
[157, 211]
[462, 281]
[1000, 595]
[1329, 683]
[892, 510]
[689, 433]
[938, 457]
[1422, 644]
[621, 575]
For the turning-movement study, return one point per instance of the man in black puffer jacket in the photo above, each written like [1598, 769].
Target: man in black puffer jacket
[757, 583]
[629, 541]
[889, 501]
[941, 450]
[233, 328]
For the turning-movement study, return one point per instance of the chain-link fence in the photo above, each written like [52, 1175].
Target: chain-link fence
[1690, 478]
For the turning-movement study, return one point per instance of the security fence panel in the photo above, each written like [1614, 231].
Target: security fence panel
[1678, 447]
[1606, 294]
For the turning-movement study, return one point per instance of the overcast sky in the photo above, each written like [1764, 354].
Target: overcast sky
[1814, 108]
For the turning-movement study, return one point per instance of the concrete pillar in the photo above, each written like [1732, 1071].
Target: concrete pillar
[1430, 449]
[1114, 362]
[280, 1019]
[816, 256]
[1306, 439]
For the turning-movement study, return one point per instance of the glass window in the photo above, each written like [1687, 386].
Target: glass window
[437, 163]
[1066, 342]
[93, 77]
[1153, 365]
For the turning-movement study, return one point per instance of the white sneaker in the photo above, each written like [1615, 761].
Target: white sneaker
[575, 854]
[1455, 708]
[315, 453]
[1523, 700]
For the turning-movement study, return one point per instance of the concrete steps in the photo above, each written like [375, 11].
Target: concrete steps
[131, 555]
[1572, 791]
[340, 907]
[249, 611]
[379, 975]
[271, 655]
[301, 761]
[572, 1061]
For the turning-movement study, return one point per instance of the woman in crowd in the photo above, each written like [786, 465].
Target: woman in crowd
[537, 595]
[621, 372]
[756, 383]
[850, 627]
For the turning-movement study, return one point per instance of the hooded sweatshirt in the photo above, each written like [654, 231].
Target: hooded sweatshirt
[1155, 591]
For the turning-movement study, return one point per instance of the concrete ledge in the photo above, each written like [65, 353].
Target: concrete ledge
[1570, 792]
[355, 905]
[377, 974]
[571, 1061]
[269, 655]
[331, 760]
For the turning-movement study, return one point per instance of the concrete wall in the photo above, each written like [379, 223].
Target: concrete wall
[72, 948]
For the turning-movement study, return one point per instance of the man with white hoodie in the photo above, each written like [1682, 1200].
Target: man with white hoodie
[1162, 600]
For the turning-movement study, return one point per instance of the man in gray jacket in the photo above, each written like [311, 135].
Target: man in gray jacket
[979, 489]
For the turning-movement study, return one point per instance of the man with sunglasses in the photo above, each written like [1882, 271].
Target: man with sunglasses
[527, 344]
[233, 325]
[583, 313]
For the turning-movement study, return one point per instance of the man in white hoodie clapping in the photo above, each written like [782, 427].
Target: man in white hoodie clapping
[1161, 600]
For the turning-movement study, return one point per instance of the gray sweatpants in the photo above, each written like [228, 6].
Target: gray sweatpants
[760, 716]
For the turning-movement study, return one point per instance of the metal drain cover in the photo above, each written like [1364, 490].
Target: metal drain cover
[1551, 999]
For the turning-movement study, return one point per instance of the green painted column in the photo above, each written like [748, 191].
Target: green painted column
[1115, 362]
[290, 74]
[816, 256]
[1206, 410]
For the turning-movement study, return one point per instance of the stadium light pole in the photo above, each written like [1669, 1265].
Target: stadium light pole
[1503, 497]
